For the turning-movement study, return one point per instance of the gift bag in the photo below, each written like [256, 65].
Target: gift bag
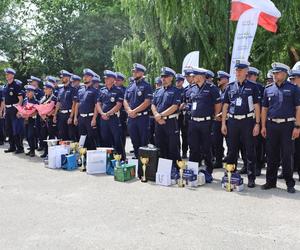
[54, 155]
[96, 162]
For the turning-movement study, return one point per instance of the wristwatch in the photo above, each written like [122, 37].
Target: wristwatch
[297, 126]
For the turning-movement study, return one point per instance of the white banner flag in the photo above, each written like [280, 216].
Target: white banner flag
[191, 60]
[244, 36]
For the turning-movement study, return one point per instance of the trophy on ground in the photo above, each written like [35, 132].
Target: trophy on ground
[144, 161]
[229, 169]
[182, 166]
[118, 160]
[82, 152]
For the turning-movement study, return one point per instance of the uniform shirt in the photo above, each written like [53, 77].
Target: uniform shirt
[87, 98]
[47, 99]
[39, 94]
[187, 97]
[65, 97]
[165, 97]
[1, 94]
[110, 97]
[137, 93]
[11, 93]
[204, 99]
[181, 93]
[123, 90]
[31, 100]
[241, 98]
[281, 101]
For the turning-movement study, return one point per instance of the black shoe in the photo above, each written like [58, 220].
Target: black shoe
[19, 151]
[280, 176]
[291, 190]
[10, 150]
[131, 151]
[43, 155]
[268, 186]
[40, 149]
[28, 153]
[134, 158]
[32, 154]
[258, 172]
[251, 184]
[243, 170]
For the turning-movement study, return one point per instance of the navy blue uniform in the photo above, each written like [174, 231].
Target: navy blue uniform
[218, 139]
[11, 92]
[152, 124]
[281, 102]
[167, 135]
[241, 99]
[48, 127]
[123, 118]
[260, 141]
[138, 127]
[111, 129]
[203, 100]
[182, 124]
[2, 137]
[30, 125]
[65, 97]
[87, 99]
[39, 93]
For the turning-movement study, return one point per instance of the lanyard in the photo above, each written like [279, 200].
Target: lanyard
[240, 90]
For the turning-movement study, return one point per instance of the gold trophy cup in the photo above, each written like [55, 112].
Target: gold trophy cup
[144, 161]
[74, 147]
[182, 166]
[82, 152]
[229, 168]
[118, 159]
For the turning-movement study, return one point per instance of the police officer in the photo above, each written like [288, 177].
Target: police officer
[280, 125]
[2, 105]
[123, 115]
[35, 82]
[210, 76]
[13, 95]
[241, 104]
[109, 104]
[218, 138]
[165, 110]
[96, 84]
[137, 103]
[64, 114]
[295, 75]
[253, 75]
[189, 76]
[269, 78]
[158, 84]
[85, 109]
[30, 121]
[75, 82]
[206, 104]
[48, 127]
[181, 118]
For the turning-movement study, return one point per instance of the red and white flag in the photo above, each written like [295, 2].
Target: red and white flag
[268, 16]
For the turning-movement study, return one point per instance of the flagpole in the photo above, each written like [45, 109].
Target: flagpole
[227, 64]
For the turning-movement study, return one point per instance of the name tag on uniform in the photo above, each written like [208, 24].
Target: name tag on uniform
[194, 106]
[238, 101]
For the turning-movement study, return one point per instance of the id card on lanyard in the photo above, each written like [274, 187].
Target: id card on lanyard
[239, 100]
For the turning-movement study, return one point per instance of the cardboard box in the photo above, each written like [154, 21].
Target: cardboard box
[124, 173]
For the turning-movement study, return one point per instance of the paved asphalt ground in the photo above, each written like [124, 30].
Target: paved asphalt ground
[54, 209]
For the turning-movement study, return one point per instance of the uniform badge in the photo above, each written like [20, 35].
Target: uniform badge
[112, 99]
[11, 93]
[139, 93]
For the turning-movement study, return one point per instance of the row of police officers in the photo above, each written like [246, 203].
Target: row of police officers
[252, 119]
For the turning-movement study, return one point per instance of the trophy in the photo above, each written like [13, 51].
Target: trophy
[229, 168]
[74, 147]
[82, 152]
[118, 159]
[144, 161]
[182, 166]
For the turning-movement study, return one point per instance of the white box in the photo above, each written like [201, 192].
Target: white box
[96, 161]
[163, 179]
[54, 155]
[163, 174]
